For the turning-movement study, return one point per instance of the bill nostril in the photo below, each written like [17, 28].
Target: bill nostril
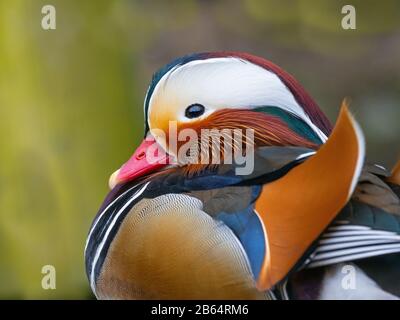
[141, 155]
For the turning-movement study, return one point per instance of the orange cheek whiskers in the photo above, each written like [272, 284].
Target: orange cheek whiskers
[269, 130]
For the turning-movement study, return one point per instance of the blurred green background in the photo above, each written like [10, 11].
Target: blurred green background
[71, 101]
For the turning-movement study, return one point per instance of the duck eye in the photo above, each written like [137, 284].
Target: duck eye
[194, 111]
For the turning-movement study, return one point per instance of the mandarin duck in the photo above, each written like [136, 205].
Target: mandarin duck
[308, 210]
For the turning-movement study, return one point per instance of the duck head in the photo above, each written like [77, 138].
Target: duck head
[221, 90]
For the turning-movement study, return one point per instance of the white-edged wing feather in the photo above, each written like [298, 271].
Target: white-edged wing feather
[344, 242]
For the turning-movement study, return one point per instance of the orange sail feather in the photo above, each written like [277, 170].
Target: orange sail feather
[297, 208]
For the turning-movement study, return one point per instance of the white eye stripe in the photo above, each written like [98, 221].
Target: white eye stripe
[225, 82]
